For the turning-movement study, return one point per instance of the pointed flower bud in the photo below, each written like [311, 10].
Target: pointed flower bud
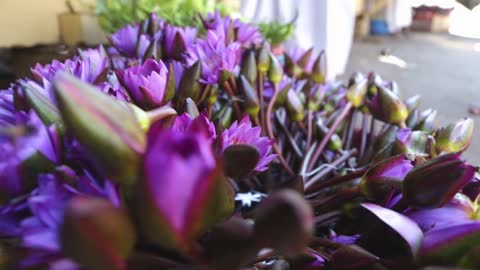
[304, 59]
[43, 107]
[388, 107]
[180, 202]
[427, 121]
[295, 106]
[176, 40]
[96, 234]
[284, 221]
[316, 96]
[106, 128]
[357, 90]
[263, 61]
[275, 72]
[291, 68]
[411, 142]
[189, 86]
[191, 108]
[249, 67]
[385, 177]
[251, 102]
[152, 51]
[412, 103]
[455, 137]
[319, 68]
[435, 182]
[413, 119]
[335, 143]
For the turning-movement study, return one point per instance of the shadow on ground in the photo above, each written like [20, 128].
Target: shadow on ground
[443, 69]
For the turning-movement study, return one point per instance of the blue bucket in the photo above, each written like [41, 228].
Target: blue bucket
[379, 27]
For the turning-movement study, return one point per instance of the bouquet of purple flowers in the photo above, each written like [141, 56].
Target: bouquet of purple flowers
[185, 148]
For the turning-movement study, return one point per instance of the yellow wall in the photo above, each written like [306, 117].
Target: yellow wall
[30, 22]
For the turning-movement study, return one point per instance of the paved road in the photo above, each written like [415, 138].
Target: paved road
[443, 69]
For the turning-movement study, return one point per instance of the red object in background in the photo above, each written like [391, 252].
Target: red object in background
[430, 19]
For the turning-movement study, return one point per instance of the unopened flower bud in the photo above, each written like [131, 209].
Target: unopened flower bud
[435, 182]
[106, 128]
[284, 221]
[251, 102]
[96, 234]
[455, 137]
[275, 72]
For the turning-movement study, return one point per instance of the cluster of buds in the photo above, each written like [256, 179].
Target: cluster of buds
[184, 148]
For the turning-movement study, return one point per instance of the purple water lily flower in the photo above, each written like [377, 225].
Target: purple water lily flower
[244, 33]
[91, 66]
[48, 71]
[125, 41]
[459, 210]
[39, 232]
[248, 34]
[185, 123]
[146, 83]
[46, 204]
[243, 133]
[217, 58]
[215, 19]
[94, 65]
[37, 142]
[177, 39]
[449, 245]
[7, 109]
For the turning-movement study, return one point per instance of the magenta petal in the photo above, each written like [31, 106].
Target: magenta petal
[457, 211]
[449, 244]
[404, 226]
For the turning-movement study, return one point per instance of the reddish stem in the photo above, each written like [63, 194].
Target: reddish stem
[269, 130]
[329, 134]
[363, 142]
[309, 128]
[336, 180]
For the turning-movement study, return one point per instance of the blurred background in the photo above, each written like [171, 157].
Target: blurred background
[430, 47]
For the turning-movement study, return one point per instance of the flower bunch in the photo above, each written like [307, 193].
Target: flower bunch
[172, 149]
